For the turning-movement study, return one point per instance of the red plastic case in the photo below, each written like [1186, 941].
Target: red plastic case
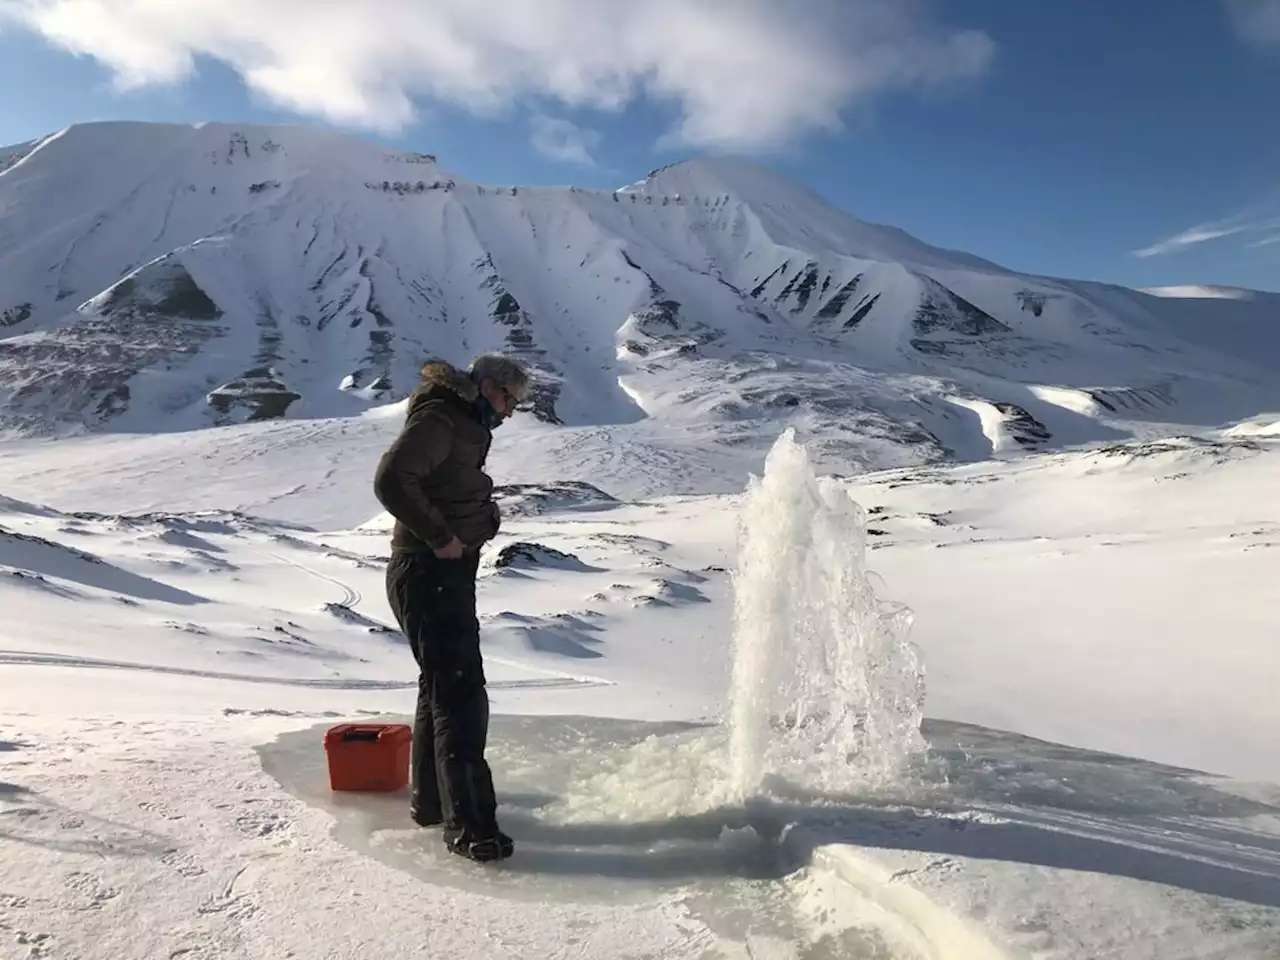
[371, 757]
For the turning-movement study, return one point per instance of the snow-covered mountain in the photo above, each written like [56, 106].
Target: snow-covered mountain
[163, 277]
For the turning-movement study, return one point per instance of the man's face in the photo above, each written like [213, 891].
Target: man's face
[502, 399]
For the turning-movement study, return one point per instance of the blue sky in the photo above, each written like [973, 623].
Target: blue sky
[1136, 142]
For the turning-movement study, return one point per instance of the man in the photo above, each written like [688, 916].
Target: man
[432, 481]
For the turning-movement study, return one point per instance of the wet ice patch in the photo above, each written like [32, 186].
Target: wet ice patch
[569, 831]
[985, 835]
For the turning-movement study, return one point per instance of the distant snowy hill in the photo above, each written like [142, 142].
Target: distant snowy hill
[163, 277]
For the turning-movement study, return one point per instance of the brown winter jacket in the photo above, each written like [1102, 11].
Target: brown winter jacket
[432, 478]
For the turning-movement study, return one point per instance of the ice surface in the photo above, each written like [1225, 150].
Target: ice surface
[1007, 825]
[827, 690]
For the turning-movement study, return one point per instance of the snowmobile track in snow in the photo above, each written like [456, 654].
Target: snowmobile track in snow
[351, 596]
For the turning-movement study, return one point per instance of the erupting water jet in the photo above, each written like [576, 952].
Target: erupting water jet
[826, 690]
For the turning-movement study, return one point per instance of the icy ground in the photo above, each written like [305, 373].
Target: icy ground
[185, 615]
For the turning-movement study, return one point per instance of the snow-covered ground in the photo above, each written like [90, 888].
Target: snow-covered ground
[185, 614]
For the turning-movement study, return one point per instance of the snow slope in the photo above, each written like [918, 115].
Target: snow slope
[1093, 628]
[213, 274]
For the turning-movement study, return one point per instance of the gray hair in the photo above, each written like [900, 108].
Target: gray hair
[506, 372]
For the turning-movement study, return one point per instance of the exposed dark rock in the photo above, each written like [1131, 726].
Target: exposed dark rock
[942, 310]
[237, 143]
[528, 555]
[1215, 450]
[347, 615]
[15, 315]
[1024, 428]
[1034, 300]
[805, 288]
[508, 307]
[662, 313]
[113, 402]
[929, 346]
[801, 285]
[860, 314]
[831, 309]
[16, 154]
[544, 392]
[759, 289]
[182, 298]
[79, 371]
[665, 325]
[258, 395]
[1133, 398]
[531, 500]
[413, 158]
[405, 187]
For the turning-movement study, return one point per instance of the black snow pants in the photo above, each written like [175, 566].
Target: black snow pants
[434, 602]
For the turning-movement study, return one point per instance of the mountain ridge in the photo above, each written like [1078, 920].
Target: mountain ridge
[216, 273]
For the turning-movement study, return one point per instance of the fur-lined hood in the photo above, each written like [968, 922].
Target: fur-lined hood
[438, 373]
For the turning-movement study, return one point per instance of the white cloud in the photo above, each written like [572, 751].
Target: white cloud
[1188, 238]
[1256, 20]
[1259, 218]
[561, 140]
[744, 73]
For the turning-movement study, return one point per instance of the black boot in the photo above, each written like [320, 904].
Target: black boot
[482, 849]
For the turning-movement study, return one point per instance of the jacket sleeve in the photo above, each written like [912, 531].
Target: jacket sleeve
[422, 446]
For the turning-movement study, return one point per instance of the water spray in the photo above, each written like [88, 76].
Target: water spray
[826, 690]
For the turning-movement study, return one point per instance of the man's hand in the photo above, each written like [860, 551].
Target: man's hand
[451, 550]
